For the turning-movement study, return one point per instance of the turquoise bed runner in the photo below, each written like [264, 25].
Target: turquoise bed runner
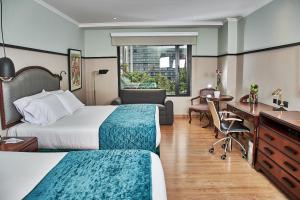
[103, 175]
[129, 127]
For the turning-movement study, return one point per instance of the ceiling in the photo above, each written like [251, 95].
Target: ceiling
[147, 11]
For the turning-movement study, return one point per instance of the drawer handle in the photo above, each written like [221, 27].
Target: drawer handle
[268, 151]
[267, 164]
[269, 137]
[290, 166]
[288, 182]
[291, 150]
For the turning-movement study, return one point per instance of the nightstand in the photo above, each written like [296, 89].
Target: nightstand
[30, 144]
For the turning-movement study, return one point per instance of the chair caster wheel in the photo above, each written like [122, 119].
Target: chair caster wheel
[223, 157]
[211, 150]
[223, 146]
[244, 156]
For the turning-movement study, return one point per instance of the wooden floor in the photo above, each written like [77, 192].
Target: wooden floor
[191, 172]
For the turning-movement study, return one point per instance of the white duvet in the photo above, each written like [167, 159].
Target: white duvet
[77, 131]
[20, 172]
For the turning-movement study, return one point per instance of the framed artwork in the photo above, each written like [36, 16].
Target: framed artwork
[75, 69]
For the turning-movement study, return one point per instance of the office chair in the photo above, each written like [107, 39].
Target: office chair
[227, 126]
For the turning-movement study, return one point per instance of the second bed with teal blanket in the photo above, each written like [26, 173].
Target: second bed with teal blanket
[114, 174]
[129, 127]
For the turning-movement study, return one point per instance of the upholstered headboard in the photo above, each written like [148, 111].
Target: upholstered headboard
[28, 81]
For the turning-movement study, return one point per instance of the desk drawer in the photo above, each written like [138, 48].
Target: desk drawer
[279, 158]
[286, 180]
[284, 145]
[240, 113]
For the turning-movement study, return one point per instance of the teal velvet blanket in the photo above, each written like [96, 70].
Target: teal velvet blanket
[103, 175]
[129, 127]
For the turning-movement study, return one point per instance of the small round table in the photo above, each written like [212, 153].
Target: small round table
[217, 101]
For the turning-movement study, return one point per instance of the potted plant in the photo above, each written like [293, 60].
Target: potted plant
[217, 92]
[253, 97]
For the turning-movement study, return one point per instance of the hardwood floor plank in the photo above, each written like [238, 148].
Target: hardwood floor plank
[191, 172]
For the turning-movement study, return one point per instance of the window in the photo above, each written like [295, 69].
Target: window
[156, 67]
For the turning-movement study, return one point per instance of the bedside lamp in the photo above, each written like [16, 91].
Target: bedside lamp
[99, 72]
[7, 67]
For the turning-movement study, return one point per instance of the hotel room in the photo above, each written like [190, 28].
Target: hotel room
[150, 99]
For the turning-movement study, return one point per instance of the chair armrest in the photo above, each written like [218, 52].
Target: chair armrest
[169, 105]
[232, 119]
[226, 112]
[192, 99]
[117, 101]
[169, 112]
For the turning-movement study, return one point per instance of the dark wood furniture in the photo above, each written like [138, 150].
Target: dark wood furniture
[30, 144]
[249, 112]
[278, 154]
[219, 99]
[201, 107]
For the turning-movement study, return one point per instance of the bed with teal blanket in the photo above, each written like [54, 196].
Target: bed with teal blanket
[98, 174]
[129, 127]
[134, 126]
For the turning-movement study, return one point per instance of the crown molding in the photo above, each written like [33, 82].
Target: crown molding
[250, 11]
[59, 13]
[151, 24]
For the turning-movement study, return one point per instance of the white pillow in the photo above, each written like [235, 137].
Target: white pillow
[70, 101]
[23, 102]
[54, 91]
[45, 110]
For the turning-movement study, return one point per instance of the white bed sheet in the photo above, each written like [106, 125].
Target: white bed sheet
[20, 172]
[77, 131]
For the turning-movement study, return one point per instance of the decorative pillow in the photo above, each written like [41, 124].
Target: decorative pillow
[45, 110]
[23, 102]
[70, 101]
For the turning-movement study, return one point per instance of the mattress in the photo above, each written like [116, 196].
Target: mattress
[22, 171]
[77, 131]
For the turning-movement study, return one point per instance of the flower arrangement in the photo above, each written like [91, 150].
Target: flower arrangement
[253, 97]
[219, 75]
[217, 93]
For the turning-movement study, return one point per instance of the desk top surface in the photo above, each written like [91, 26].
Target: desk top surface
[252, 109]
[289, 118]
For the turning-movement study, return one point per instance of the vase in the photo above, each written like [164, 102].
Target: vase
[217, 94]
[253, 98]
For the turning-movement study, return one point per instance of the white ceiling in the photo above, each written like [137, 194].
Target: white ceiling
[140, 11]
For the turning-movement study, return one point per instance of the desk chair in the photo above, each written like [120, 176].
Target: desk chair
[227, 126]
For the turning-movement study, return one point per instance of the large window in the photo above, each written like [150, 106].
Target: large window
[152, 67]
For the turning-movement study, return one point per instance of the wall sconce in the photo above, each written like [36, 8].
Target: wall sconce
[99, 72]
[61, 75]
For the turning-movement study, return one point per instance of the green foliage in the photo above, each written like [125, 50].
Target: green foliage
[144, 80]
[254, 88]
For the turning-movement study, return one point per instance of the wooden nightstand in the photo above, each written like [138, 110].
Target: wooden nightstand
[30, 144]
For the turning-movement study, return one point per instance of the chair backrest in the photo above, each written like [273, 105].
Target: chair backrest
[214, 113]
[137, 96]
[204, 92]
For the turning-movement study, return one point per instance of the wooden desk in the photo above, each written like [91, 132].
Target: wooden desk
[278, 152]
[250, 112]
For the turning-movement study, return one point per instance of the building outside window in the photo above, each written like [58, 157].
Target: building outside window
[156, 67]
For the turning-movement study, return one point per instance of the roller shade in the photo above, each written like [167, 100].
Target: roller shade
[154, 38]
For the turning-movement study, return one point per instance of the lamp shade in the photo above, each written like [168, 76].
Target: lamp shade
[7, 68]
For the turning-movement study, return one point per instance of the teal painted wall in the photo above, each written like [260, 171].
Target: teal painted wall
[277, 23]
[28, 24]
[98, 41]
